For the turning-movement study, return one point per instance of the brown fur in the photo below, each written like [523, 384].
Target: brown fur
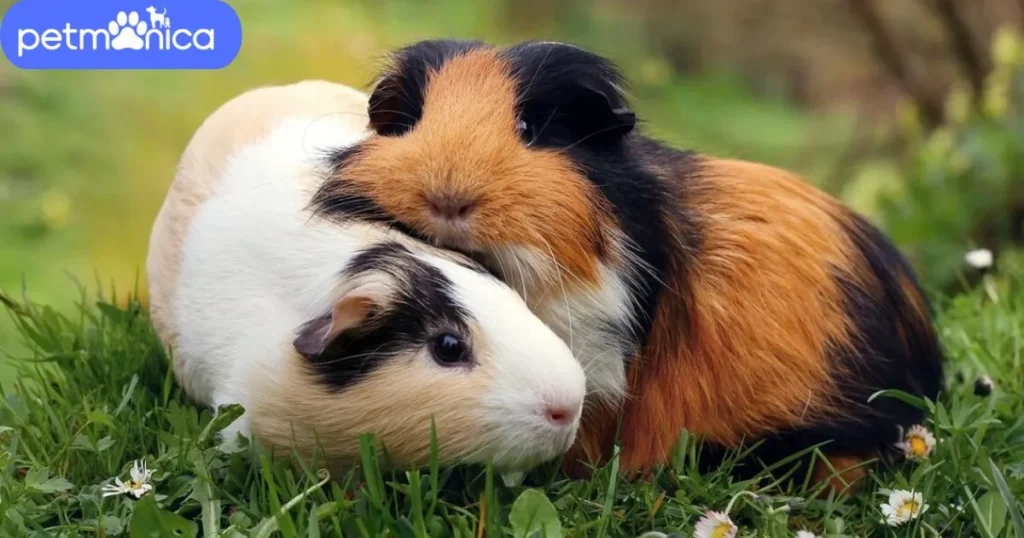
[237, 123]
[769, 247]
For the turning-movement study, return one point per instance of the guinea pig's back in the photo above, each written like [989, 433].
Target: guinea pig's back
[239, 197]
[238, 123]
[813, 309]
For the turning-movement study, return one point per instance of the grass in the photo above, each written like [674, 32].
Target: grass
[94, 393]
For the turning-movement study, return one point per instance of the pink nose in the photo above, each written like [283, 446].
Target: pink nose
[561, 415]
[450, 207]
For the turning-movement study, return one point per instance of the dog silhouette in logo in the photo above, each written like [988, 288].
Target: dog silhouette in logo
[158, 20]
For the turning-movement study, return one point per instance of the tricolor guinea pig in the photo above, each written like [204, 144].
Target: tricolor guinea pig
[323, 330]
[727, 298]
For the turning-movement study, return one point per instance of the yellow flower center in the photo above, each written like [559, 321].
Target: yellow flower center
[721, 530]
[134, 485]
[918, 447]
[908, 508]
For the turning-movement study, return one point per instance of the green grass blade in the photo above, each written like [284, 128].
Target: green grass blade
[609, 496]
[281, 519]
[1011, 503]
[435, 468]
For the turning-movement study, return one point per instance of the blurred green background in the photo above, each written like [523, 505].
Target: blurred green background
[908, 111]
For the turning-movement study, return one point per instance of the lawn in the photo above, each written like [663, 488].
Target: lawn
[94, 394]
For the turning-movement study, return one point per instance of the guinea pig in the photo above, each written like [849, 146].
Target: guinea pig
[325, 330]
[727, 298]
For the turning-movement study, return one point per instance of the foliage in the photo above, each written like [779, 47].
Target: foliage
[95, 393]
[964, 182]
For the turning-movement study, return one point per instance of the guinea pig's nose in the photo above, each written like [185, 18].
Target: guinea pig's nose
[450, 206]
[561, 414]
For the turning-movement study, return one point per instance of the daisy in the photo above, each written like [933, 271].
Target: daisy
[714, 525]
[137, 486]
[903, 506]
[979, 259]
[917, 443]
[805, 534]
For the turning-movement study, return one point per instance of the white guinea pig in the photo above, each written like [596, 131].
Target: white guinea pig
[325, 330]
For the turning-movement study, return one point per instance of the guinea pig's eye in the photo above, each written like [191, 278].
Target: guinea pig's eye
[525, 131]
[449, 349]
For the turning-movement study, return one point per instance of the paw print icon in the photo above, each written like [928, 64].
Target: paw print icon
[126, 31]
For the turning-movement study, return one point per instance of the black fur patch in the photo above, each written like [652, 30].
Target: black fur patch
[339, 199]
[422, 307]
[568, 96]
[396, 104]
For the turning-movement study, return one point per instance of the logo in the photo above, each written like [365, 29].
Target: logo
[120, 34]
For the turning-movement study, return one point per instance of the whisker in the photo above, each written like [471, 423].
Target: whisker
[522, 280]
[545, 126]
[365, 356]
[565, 294]
[593, 134]
[537, 71]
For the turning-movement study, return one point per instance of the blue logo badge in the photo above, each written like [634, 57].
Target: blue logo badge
[121, 34]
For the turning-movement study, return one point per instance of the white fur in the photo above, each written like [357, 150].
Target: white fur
[256, 265]
[578, 315]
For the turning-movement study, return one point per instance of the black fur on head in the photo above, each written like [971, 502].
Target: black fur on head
[396, 103]
[568, 95]
[421, 309]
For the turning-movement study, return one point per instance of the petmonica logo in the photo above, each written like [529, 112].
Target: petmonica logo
[120, 34]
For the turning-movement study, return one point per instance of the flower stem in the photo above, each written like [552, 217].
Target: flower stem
[728, 507]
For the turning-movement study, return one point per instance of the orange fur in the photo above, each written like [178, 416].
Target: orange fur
[518, 190]
[761, 306]
[843, 474]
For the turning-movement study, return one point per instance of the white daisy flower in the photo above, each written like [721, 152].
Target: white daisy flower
[979, 259]
[714, 525]
[137, 486]
[917, 443]
[902, 507]
[805, 534]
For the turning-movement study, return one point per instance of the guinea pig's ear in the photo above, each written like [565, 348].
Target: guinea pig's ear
[608, 108]
[349, 312]
[568, 94]
[390, 114]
